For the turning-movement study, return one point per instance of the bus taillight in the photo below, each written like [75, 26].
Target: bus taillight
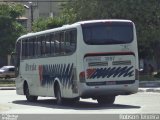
[82, 77]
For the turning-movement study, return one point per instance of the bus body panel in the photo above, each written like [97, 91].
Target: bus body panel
[100, 82]
[41, 83]
[112, 90]
[108, 69]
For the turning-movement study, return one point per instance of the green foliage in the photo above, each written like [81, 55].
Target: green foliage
[144, 13]
[10, 29]
[157, 75]
[11, 9]
[49, 23]
[39, 25]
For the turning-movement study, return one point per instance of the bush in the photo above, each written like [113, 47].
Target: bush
[157, 75]
[49, 23]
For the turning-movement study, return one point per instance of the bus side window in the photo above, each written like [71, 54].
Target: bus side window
[52, 38]
[38, 49]
[48, 45]
[73, 38]
[70, 39]
[57, 43]
[31, 47]
[44, 45]
[67, 42]
[41, 40]
[23, 48]
[34, 46]
[62, 43]
[28, 52]
[26, 48]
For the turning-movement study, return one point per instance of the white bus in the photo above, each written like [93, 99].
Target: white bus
[90, 59]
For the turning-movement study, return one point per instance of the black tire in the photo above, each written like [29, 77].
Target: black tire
[72, 100]
[29, 97]
[107, 100]
[59, 98]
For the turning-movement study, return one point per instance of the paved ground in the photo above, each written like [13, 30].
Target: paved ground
[145, 102]
[140, 103]
[145, 86]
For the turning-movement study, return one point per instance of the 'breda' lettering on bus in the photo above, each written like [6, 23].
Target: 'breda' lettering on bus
[31, 67]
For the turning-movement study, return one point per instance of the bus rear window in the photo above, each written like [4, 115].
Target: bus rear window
[107, 33]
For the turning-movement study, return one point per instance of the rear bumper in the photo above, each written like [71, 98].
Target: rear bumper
[104, 90]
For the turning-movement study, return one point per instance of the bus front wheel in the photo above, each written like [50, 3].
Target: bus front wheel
[107, 100]
[29, 97]
[59, 98]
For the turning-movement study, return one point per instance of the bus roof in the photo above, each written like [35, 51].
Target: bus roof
[105, 20]
[69, 26]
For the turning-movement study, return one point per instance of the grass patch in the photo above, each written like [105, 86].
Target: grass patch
[148, 78]
[7, 83]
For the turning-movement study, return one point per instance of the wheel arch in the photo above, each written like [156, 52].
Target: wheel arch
[56, 83]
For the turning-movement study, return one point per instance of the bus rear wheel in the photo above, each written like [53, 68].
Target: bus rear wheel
[107, 100]
[29, 97]
[72, 100]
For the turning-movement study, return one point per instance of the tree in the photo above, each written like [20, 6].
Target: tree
[10, 29]
[47, 23]
[145, 15]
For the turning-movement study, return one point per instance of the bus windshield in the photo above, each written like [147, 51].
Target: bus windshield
[107, 33]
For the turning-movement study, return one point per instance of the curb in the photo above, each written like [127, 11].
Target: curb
[155, 90]
[7, 88]
[149, 84]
